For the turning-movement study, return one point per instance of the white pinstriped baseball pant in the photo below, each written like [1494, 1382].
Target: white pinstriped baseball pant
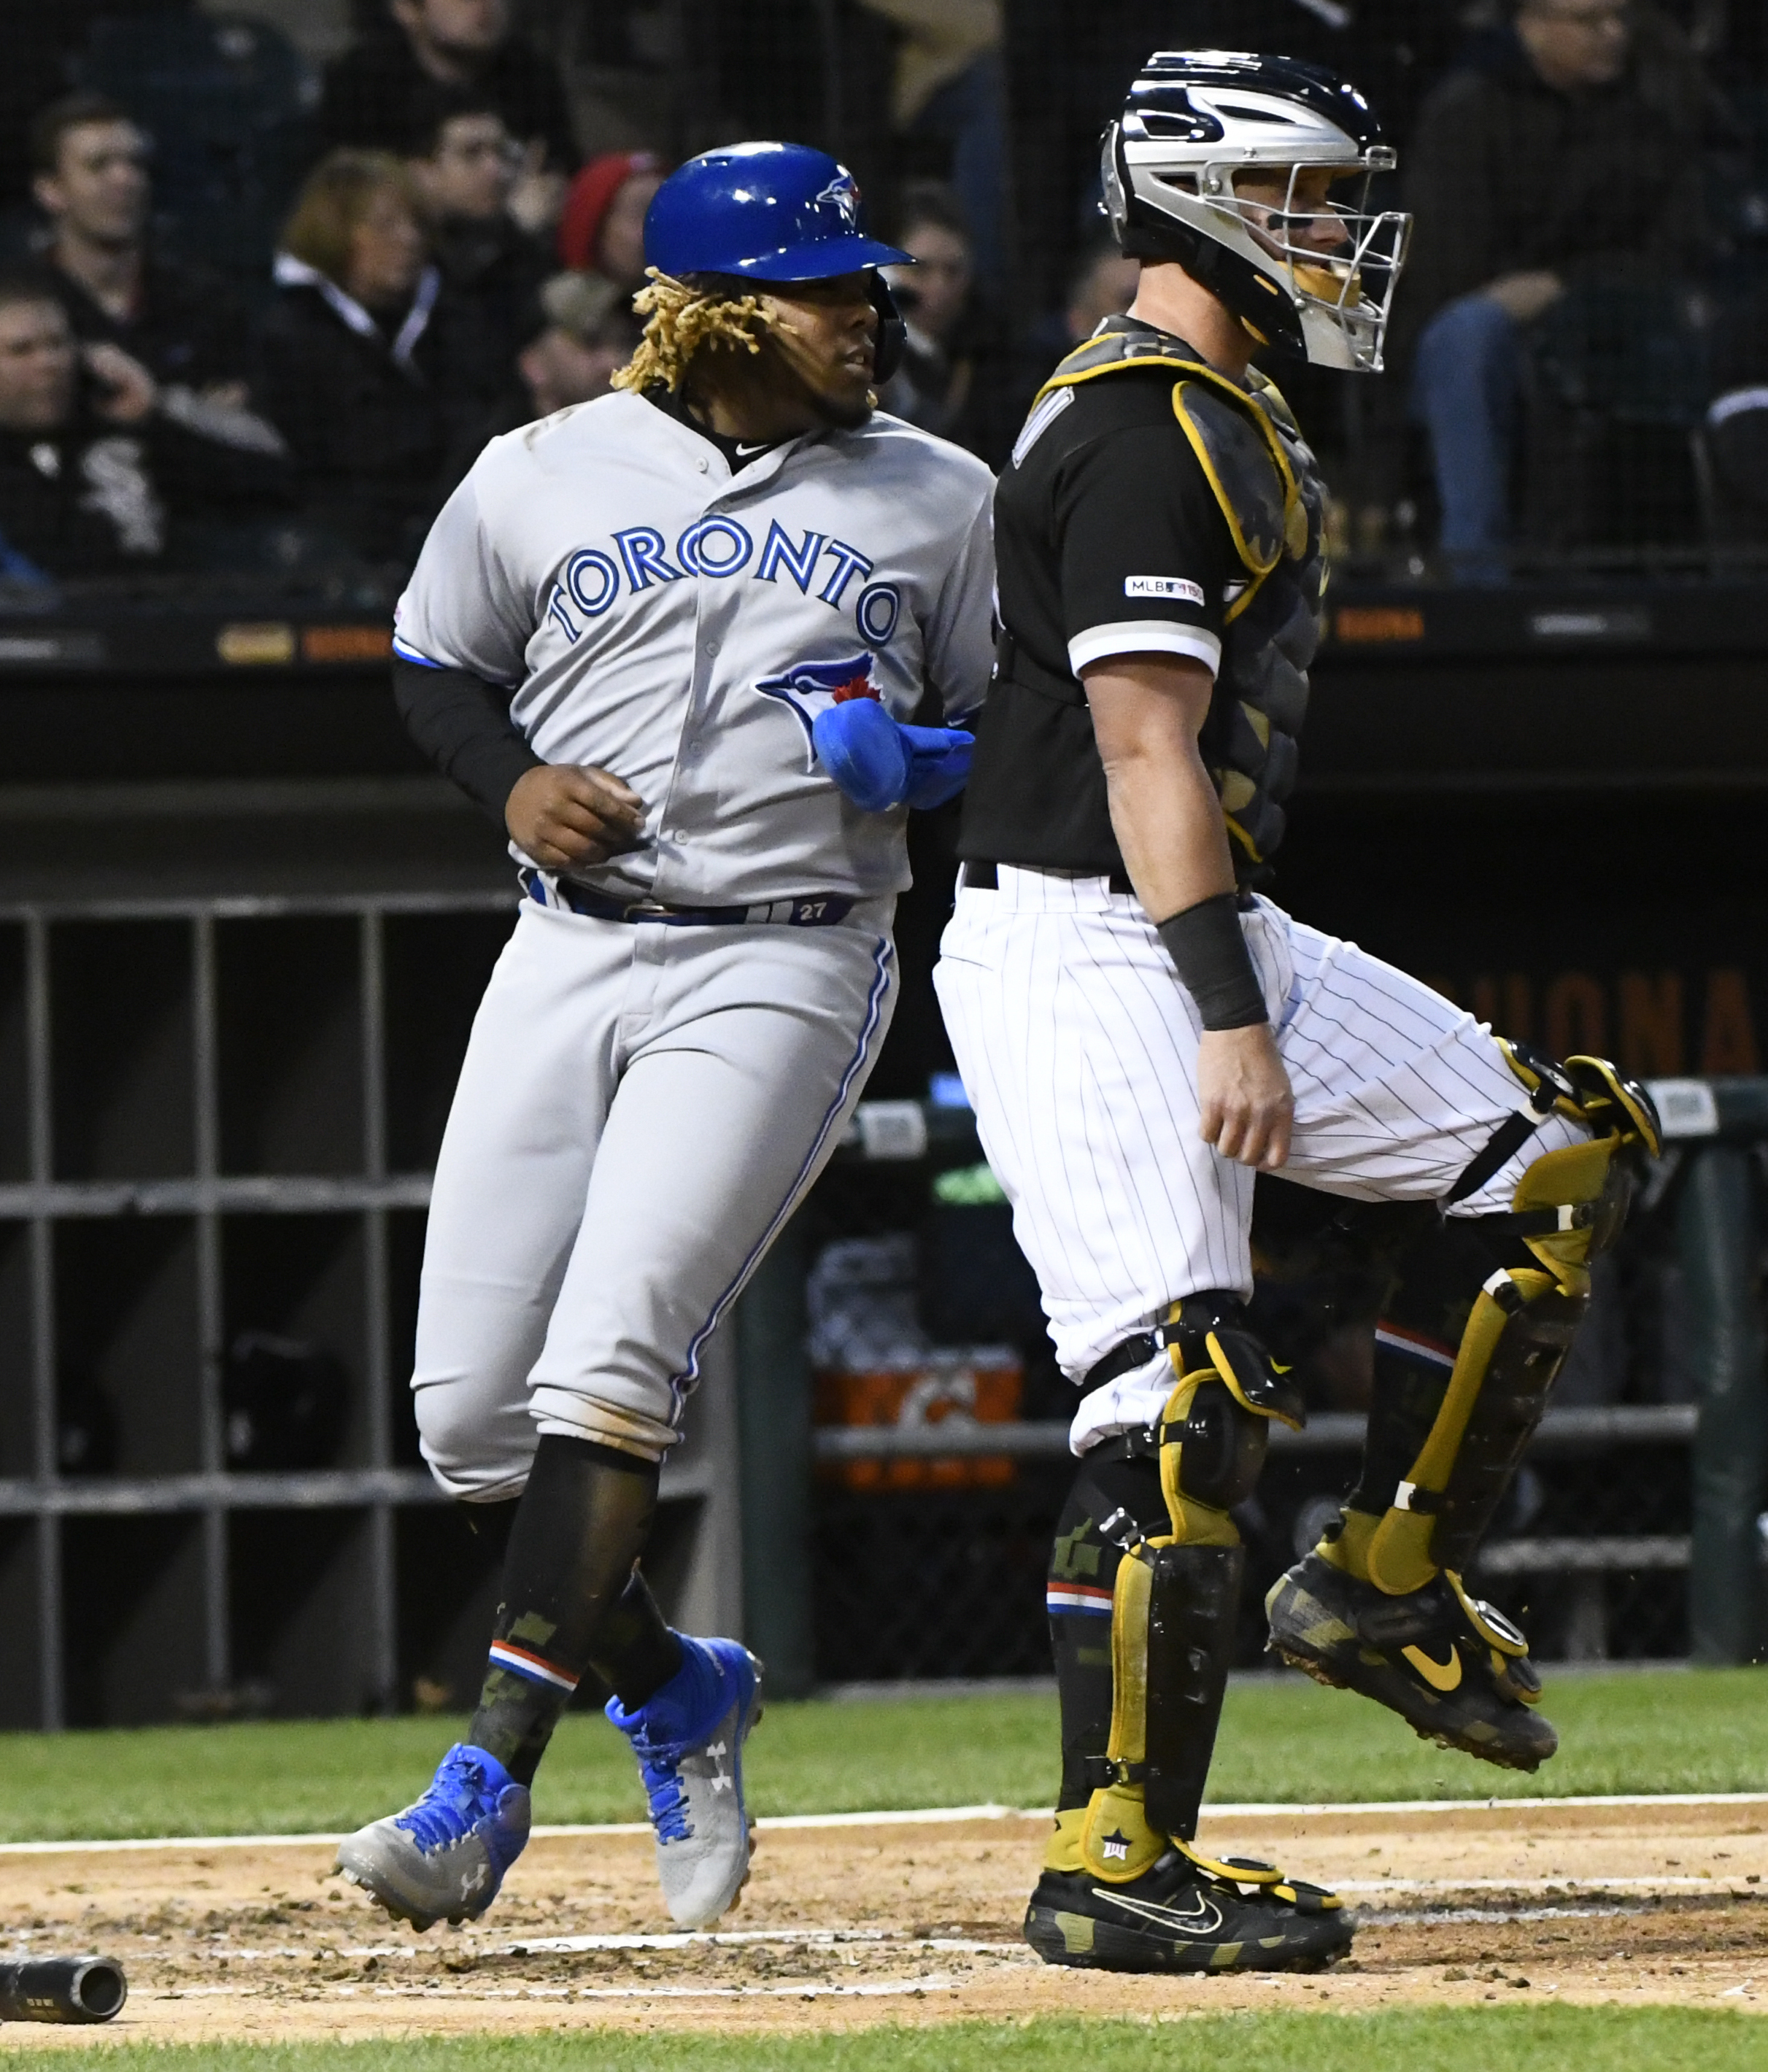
[1078, 1047]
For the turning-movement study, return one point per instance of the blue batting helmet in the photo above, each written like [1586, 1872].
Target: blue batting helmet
[765, 212]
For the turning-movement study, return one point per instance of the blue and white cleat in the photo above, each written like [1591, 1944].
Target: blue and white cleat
[689, 1739]
[443, 1859]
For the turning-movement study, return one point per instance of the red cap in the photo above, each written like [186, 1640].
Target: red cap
[591, 196]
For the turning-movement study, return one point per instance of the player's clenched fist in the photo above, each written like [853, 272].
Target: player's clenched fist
[563, 815]
[1247, 1107]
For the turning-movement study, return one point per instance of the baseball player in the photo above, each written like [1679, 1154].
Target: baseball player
[1143, 1032]
[670, 638]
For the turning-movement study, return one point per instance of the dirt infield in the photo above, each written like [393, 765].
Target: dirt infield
[843, 1926]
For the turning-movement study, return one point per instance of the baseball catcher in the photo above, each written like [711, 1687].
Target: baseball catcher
[1143, 1032]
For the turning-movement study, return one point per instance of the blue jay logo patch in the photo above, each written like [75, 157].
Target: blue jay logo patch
[808, 688]
[842, 194]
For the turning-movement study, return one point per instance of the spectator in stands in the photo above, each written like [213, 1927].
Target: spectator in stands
[94, 476]
[1559, 161]
[601, 230]
[585, 330]
[950, 86]
[956, 378]
[464, 163]
[1102, 285]
[372, 91]
[363, 367]
[589, 333]
[91, 182]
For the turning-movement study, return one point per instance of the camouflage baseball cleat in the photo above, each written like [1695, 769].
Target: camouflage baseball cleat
[1187, 1914]
[443, 1858]
[1457, 1672]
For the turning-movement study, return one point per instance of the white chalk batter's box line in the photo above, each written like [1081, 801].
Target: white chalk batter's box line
[880, 1941]
[809, 1990]
[873, 1941]
[931, 1816]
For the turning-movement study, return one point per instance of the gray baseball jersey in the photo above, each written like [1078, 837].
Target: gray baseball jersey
[656, 615]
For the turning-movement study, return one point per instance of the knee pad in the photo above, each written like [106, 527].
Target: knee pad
[1214, 1428]
[1592, 1091]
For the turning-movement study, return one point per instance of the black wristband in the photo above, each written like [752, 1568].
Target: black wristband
[1214, 966]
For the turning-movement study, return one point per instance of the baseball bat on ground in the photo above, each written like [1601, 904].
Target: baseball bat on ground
[62, 1989]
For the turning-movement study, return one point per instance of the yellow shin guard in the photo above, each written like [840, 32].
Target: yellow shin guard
[1568, 1203]
[1174, 1605]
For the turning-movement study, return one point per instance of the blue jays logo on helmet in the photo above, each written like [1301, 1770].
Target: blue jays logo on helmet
[764, 212]
[808, 688]
[842, 194]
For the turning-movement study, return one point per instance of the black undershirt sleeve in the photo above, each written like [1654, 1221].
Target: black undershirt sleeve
[462, 724]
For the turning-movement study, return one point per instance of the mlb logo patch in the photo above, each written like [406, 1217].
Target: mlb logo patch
[1176, 590]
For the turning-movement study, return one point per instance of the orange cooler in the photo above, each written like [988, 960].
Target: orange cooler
[977, 1385]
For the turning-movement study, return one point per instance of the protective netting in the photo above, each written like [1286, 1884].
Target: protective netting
[929, 1583]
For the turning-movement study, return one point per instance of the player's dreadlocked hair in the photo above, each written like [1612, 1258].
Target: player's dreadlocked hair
[682, 318]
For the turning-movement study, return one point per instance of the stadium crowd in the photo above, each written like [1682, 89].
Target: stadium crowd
[271, 274]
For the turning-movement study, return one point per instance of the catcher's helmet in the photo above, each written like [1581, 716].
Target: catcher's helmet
[1196, 119]
[772, 213]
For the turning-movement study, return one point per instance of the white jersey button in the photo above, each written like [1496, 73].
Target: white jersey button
[702, 463]
[711, 646]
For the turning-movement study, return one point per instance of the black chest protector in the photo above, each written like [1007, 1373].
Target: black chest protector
[1264, 477]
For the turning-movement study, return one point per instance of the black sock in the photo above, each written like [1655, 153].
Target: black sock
[634, 1652]
[490, 1523]
[580, 1527]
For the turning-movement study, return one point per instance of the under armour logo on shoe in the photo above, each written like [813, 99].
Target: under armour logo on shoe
[475, 1880]
[1117, 1845]
[721, 1780]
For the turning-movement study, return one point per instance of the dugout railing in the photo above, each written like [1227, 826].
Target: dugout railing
[217, 1119]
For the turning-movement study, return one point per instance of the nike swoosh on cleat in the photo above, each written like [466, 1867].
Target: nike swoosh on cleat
[1439, 1675]
[1204, 1919]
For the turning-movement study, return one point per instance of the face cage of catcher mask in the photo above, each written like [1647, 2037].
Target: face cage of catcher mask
[1351, 286]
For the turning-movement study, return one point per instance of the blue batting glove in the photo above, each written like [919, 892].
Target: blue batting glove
[939, 764]
[862, 748]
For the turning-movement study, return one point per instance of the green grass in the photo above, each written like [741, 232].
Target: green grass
[1282, 1739]
[1546, 2039]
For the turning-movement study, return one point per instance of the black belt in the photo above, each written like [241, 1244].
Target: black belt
[986, 876]
[819, 911]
